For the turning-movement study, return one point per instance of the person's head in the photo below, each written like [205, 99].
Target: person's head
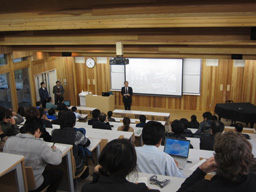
[118, 158]
[8, 113]
[41, 111]
[38, 104]
[2, 113]
[32, 113]
[126, 122]
[102, 117]
[217, 127]
[68, 119]
[153, 133]
[110, 113]
[178, 127]
[34, 127]
[239, 127]
[207, 116]
[193, 118]
[214, 118]
[42, 84]
[126, 83]
[61, 99]
[51, 111]
[58, 83]
[21, 111]
[143, 118]
[73, 109]
[185, 122]
[233, 155]
[95, 113]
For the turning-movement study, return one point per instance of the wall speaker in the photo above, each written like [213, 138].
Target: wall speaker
[66, 54]
[253, 33]
[237, 56]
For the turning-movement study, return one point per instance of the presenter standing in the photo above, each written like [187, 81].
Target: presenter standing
[127, 93]
[58, 91]
[44, 95]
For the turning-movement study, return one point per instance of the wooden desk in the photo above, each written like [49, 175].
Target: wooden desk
[87, 110]
[95, 145]
[173, 186]
[104, 104]
[11, 162]
[134, 121]
[150, 115]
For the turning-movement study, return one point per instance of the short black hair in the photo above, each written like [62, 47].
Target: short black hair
[118, 158]
[185, 122]
[57, 82]
[110, 113]
[38, 103]
[41, 110]
[51, 111]
[32, 113]
[102, 117]
[2, 113]
[143, 118]
[61, 99]
[193, 118]
[239, 127]
[21, 111]
[74, 109]
[95, 113]
[217, 127]
[8, 113]
[42, 83]
[68, 119]
[32, 125]
[214, 118]
[178, 127]
[152, 133]
[207, 115]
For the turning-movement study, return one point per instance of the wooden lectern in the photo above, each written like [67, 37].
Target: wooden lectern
[103, 103]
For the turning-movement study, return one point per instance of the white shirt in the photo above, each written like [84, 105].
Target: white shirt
[151, 160]
[77, 115]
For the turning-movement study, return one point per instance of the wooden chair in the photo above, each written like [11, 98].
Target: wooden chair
[121, 137]
[31, 179]
[103, 143]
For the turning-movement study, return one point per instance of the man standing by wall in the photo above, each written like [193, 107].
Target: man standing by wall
[58, 91]
[44, 95]
[127, 93]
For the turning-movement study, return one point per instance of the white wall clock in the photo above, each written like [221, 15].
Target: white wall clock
[90, 63]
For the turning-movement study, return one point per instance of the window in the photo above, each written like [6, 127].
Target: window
[19, 59]
[3, 60]
[22, 87]
[5, 94]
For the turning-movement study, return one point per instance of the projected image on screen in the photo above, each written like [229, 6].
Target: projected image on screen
[155, 76]
[177, 147]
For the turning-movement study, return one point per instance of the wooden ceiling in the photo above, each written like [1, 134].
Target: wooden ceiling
[147, 28]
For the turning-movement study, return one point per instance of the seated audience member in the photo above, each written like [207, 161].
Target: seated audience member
[239, 129]
[51, 114]
[50, 105]
[150, 159]
[207, 141]
[78, 115]
[17, 117]
[117, 160]
[142, 121]
[34, 113]
[37, 155]
[102, 123]
[178, 128]
[58, 120]
[232, 160]
[187, 132]
[39, 105]
[193, 123]
[61, 106]
[205, 126]
[69, 135]
[21, 111]
[214, 118]
[126, 127]
[110, 113]
[95, 116]
[7, 123]
[44, 119]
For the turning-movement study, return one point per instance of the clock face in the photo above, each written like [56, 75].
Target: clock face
[90, 63]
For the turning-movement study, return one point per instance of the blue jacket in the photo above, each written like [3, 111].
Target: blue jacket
[43, 93]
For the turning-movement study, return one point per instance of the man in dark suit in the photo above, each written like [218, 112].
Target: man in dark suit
[58, 91]
[207, 141]
[44, 95]
[127, 93]
[102, 123]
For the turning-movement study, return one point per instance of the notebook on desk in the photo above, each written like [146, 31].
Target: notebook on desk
[58, 146]
[178, 149]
